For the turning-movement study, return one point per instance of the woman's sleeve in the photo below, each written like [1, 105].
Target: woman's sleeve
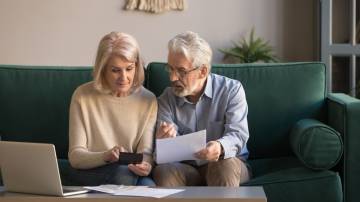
[147, 140]
[79, 155]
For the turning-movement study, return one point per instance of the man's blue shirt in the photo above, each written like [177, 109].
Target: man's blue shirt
[221, 110]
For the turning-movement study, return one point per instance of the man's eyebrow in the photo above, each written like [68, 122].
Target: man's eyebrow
[178, 67]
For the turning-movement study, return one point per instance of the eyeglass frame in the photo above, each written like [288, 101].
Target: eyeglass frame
[179, 73]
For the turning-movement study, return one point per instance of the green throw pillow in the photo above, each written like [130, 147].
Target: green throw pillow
[317, 145]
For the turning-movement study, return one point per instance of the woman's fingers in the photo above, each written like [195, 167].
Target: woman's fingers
[142, 169]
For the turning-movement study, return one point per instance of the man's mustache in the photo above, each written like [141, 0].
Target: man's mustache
[176, 84]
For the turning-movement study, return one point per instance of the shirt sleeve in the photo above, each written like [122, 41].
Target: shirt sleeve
[236, 133]
[165, 113]
[79, 155]
[147, 139]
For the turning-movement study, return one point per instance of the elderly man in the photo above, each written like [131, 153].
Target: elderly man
[197, 100]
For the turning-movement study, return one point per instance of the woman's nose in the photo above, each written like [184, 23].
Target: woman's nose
[122, 75]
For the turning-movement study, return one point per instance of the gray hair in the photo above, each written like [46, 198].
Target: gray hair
[193, 47]
[122, 45]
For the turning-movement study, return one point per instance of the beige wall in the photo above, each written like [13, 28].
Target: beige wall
[66, 32]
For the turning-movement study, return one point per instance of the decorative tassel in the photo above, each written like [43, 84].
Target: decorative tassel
[131, 4]
[155, 6]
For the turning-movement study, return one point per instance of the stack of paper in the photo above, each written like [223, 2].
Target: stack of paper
[121, 190]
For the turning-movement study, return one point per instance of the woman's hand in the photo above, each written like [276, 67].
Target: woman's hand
[112, 155]
[140, 169]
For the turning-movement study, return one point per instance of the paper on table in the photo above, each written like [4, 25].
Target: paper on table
[121, 190]
[148, 192]
[180, 148]
[106, 188]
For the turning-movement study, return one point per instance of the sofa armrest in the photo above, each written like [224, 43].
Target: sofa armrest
[344, 116]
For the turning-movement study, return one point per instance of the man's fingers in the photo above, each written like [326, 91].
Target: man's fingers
[166, 131]
[161, 135]
[161, 131]
[169, 133]
[172, 132]
[167, 128]
[207, 154]
[201, 154]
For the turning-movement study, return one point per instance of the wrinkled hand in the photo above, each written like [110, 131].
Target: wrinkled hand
[166, 130]
[140, 169]
[112, 155]
[211, 152]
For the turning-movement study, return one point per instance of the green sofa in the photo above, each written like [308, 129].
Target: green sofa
[34, 103]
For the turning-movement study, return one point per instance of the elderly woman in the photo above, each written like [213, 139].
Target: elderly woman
[112, 114]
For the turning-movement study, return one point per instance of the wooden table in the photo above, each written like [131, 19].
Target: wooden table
[197, 194]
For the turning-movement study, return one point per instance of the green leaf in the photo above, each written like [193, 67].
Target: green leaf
[255, 49]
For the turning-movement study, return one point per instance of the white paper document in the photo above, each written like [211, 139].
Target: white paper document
[180, 148]
[121, 190]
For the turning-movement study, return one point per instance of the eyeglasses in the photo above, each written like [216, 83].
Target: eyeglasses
[179, 73]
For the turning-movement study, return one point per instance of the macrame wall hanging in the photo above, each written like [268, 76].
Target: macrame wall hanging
[155, 6]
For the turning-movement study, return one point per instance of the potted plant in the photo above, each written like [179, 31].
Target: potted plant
[249, 51]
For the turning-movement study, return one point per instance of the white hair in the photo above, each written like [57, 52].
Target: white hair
[194, 48]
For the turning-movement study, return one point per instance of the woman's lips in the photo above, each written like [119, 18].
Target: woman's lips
[122, 84]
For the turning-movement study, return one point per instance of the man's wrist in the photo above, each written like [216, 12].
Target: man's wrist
[222, 152]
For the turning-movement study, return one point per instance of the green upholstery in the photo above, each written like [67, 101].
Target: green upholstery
[286, 179]
[34, 104]
[317, 145]
[278, 95]
[344, 116]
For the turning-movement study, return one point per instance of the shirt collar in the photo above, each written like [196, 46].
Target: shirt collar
[209, 89]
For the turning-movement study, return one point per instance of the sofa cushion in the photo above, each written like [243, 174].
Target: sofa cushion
[317, 145]
[287, 179]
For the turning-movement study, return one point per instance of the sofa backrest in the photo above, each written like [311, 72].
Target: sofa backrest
[278, 96]
[34, 103]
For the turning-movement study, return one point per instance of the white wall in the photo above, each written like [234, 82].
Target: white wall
[66, 32]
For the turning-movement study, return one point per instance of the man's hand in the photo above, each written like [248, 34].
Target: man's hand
[140, 169]
[112, 155]
[211, 152]
[166, 130]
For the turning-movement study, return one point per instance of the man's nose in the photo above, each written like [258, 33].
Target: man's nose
[173, 76]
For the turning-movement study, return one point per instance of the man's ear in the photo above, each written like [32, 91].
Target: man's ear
[204, 71]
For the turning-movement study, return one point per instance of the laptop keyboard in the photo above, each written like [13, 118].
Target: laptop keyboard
[68, 190]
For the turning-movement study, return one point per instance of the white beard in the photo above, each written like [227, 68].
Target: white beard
[183, 92]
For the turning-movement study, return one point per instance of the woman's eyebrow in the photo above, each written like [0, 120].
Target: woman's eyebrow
[131, 65]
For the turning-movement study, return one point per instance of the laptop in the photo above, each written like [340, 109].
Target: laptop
[32, 168]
